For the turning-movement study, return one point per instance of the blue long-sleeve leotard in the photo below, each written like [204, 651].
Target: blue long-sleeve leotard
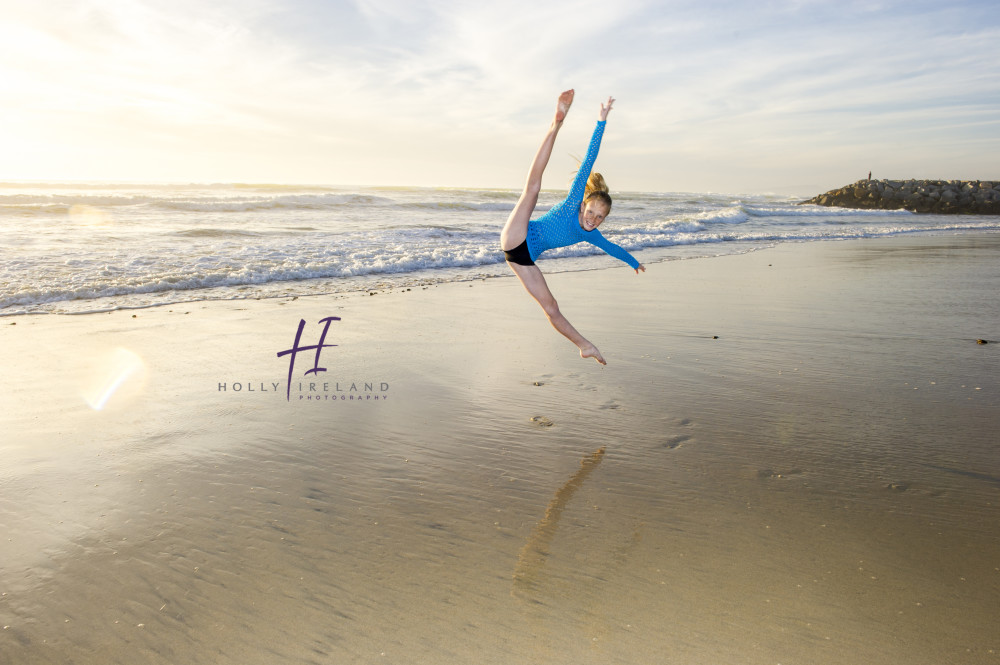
[560, 226]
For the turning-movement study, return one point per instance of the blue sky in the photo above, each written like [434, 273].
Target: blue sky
[791, 97]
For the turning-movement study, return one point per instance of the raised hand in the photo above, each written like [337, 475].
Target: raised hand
[606, 108]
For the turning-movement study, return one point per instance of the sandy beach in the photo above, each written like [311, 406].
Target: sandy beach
[791, 457]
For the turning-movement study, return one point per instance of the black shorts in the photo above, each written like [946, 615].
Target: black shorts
[519, 255]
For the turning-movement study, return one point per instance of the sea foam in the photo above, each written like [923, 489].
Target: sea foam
[69, 249]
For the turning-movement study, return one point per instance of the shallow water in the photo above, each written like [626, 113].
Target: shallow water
[78, 248]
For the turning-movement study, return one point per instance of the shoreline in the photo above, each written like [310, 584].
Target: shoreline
[656, 255]
[104, 250]
[790, 457]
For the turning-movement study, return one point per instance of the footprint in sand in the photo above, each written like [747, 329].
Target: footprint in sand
[542, 380]
[677, 440]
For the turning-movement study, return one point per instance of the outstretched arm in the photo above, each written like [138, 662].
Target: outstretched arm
[579, 185]
[583, 173]
[597, 239]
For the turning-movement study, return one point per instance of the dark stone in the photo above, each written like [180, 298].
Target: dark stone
[969, 197]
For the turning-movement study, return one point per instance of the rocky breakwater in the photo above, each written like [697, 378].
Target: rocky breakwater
[964, 197]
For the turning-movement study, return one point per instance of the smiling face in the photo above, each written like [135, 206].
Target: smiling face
[592, 213]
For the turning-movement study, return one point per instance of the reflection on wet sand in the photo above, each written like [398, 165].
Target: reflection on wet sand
[532, 557]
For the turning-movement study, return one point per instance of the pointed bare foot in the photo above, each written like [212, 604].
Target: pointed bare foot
[565, 101]
[592, 352]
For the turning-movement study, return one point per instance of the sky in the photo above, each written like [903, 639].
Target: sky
[785, 97]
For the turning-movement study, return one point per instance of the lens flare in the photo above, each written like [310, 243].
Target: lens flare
[86, 215]
[120, 372]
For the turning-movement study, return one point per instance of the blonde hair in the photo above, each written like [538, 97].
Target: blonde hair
[597, 189]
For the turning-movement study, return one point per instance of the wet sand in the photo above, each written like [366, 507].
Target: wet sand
[792, 457]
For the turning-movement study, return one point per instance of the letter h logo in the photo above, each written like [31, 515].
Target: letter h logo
[316, 369]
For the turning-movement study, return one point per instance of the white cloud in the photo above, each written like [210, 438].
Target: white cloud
[448, 92]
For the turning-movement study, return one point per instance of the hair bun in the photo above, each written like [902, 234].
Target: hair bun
[595, 183]
[597, 189]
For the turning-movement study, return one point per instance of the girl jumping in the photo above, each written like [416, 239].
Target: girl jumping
[574, 219]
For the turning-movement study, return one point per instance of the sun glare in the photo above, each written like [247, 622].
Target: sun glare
[120, 372]
[86, 215]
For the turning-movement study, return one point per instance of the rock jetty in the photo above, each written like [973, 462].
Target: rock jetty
[963, 197]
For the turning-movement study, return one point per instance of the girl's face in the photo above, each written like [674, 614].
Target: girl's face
[592, 213]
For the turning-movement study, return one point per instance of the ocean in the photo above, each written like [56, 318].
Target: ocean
[71, 249]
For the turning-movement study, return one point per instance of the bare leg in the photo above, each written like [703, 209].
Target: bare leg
[533, 280]
[516, 229]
